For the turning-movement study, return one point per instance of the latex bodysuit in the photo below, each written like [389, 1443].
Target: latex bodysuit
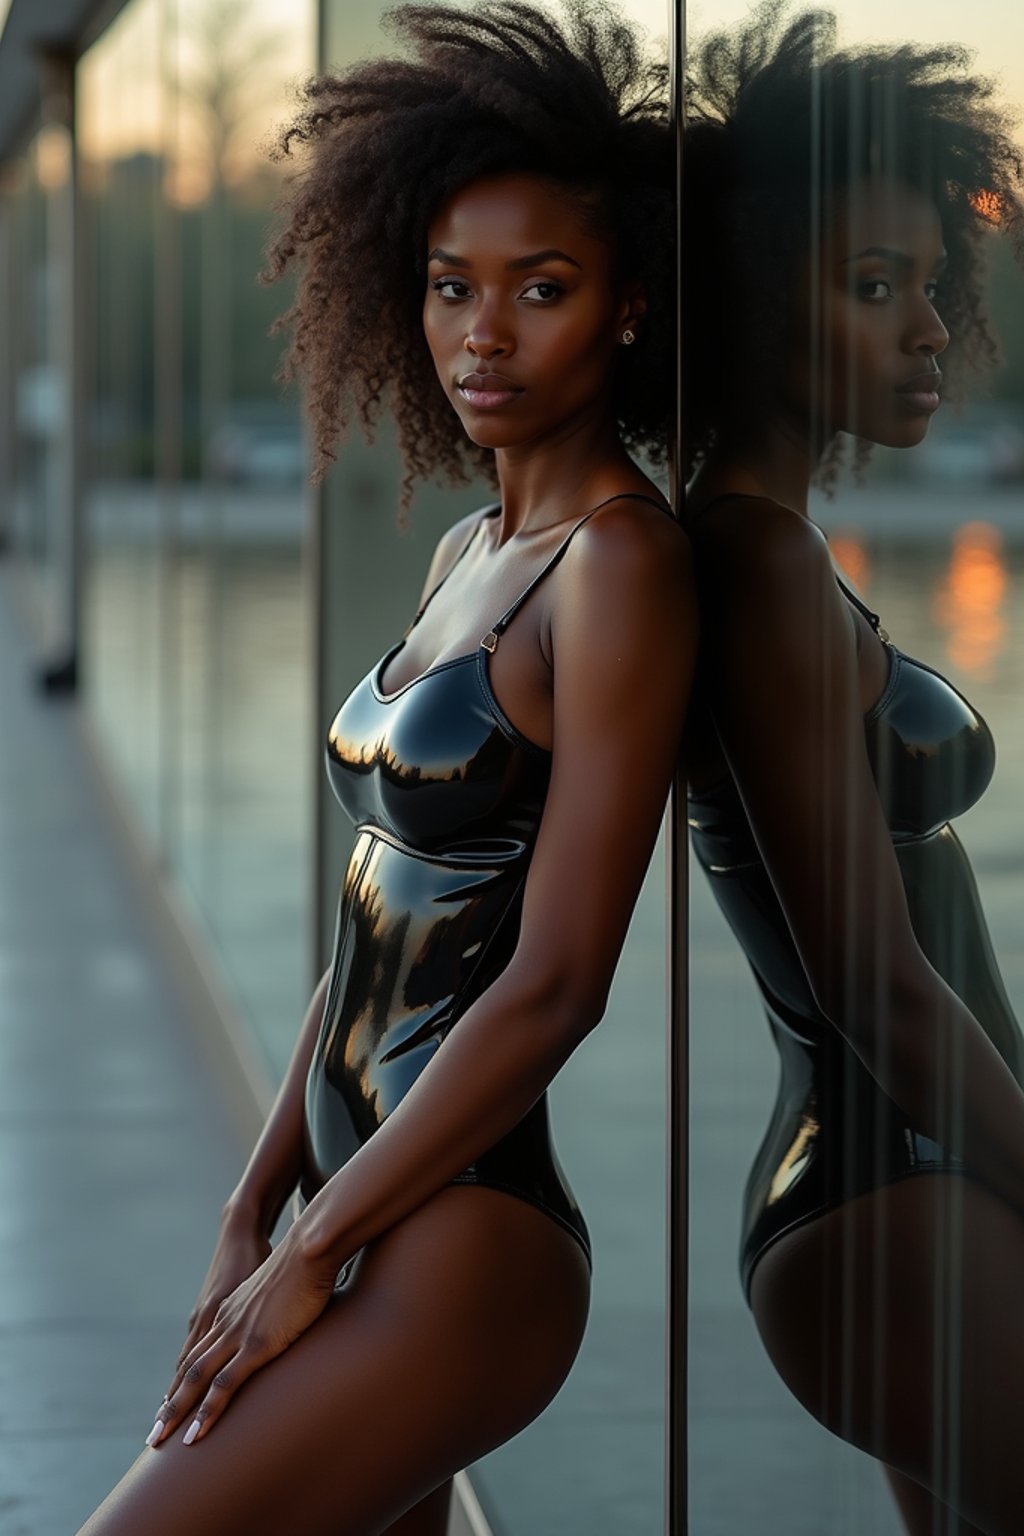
[446, 796]
[834, 1133]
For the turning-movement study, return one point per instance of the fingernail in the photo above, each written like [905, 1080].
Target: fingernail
[191, 1432]
[155, 1432]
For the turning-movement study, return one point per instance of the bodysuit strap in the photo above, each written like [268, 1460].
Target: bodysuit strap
[490, 640]
[872, 618]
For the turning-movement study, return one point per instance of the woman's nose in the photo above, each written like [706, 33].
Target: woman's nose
[480, 344]
[488, 335]
[931, 335]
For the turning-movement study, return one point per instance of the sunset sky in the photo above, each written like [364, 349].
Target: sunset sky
[994, 29]
[128, 118]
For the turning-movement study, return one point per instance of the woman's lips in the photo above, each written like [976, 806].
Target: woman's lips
[487, 391]
[922, 391]
[921, 399]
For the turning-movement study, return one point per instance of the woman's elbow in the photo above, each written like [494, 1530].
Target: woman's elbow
[565, 1001]
[867, 1003]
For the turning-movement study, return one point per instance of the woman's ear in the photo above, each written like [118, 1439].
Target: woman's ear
[632, 307]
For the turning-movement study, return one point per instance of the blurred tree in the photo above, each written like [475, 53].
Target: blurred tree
[227, 70]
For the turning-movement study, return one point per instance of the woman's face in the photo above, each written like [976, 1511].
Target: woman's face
[521, 314]
[870, 365]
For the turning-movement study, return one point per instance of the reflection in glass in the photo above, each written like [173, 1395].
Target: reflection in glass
[839, 212]
[969, 603]
[123, 608]
[851, 555]
[197, 606]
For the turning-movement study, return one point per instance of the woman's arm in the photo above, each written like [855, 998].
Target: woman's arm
[783, 685]
[275, 1164]
[250, 1214]
[623, 639]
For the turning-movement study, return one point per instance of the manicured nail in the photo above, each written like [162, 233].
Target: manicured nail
[191, 1432]
[155, 1432]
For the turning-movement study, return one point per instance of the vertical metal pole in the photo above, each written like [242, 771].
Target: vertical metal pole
[317, 576]
[8, 356]
[61, 504]
[168, 387]
[678, 977]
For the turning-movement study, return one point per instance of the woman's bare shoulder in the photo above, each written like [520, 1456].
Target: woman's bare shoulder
[744, 544]
[631, 527]
[752, 521]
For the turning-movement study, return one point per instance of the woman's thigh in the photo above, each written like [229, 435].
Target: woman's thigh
[452, 1332]
[898, 1321]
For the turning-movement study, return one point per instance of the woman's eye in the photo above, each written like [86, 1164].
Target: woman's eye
[931, 291]
[554, 289]
[440, 283]
[876, 288]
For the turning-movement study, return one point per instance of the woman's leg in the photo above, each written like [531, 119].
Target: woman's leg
[898, 1321]
[453, 1331]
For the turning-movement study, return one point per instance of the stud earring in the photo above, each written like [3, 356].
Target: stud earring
[627, 338]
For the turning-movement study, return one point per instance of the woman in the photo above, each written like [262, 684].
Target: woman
[485, 229]
[844, 196]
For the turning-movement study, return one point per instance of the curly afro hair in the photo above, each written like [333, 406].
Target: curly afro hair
[495, 87]
[778, 122]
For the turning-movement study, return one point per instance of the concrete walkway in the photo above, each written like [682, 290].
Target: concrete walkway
[116, 1151]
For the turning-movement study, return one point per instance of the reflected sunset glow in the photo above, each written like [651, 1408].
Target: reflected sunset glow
[850, 553]
[969, 601]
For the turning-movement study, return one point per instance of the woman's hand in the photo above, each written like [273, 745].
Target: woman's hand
[241, 1248]
[265, 1313]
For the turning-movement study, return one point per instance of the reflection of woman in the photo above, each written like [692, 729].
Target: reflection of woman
[486, 228]
[824, 763]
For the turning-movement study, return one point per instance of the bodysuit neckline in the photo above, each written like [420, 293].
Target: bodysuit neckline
[508, 727]
[488, 644]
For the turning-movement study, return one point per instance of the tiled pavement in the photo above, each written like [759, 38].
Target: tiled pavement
[116, 1151]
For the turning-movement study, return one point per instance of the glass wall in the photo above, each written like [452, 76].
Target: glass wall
[197, 651]
[934, 543]
[594, 1460]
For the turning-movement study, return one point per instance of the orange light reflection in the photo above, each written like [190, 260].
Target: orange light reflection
[988, 205]
[852, 557]
[968, 601]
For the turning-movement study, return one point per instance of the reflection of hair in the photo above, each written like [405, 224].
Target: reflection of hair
[493, 87]
[777, 123]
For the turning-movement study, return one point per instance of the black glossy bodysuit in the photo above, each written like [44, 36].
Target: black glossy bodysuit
[446, 795]
[834, 1133]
